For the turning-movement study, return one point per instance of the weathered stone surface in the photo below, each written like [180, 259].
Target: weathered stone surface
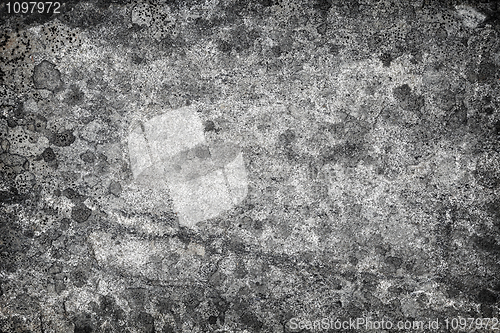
[203, 180]
[46, 76]
[248, 166]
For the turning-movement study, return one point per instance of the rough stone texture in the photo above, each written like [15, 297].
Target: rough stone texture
[46, 76]
[63, 139]
[115, 188]
[80, 213]
[367, 133]
[48, 155]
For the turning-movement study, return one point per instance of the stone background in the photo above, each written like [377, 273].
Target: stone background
[370, 133]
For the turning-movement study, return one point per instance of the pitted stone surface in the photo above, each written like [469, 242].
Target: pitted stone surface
[248, 166]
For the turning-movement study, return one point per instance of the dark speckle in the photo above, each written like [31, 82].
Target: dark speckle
[146, 321]
[136, 59]
[488, 244]
[48, 155]
[80, 213]
[488, 110]
[65, 223]
[407, 99]
[83, 328]
[11, 196]
[276, 50]
[224, 46]
[88, 157]
[486, 71]
[486, 297]
[394, 261]
[250, 320]
[74, 96]
[267, 3]
[496, 128]
[19, 111]
[402, 92]
[386, 59]
[322, 28]
[63, 139]
[242, 39]
[167, 328]
[71, 194]
[212, 320]
[287, 137]
[11, 122]
[210, 126]
[40, 123]
[323, 6]
[60, 286]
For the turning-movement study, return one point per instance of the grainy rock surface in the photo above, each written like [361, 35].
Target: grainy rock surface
[367, 132]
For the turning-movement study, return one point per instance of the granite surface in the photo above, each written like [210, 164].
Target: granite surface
[337, 170]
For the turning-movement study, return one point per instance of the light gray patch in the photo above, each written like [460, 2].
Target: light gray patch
[204, 179]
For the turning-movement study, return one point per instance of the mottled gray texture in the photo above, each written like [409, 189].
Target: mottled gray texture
[369, 135]
[46, 76]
